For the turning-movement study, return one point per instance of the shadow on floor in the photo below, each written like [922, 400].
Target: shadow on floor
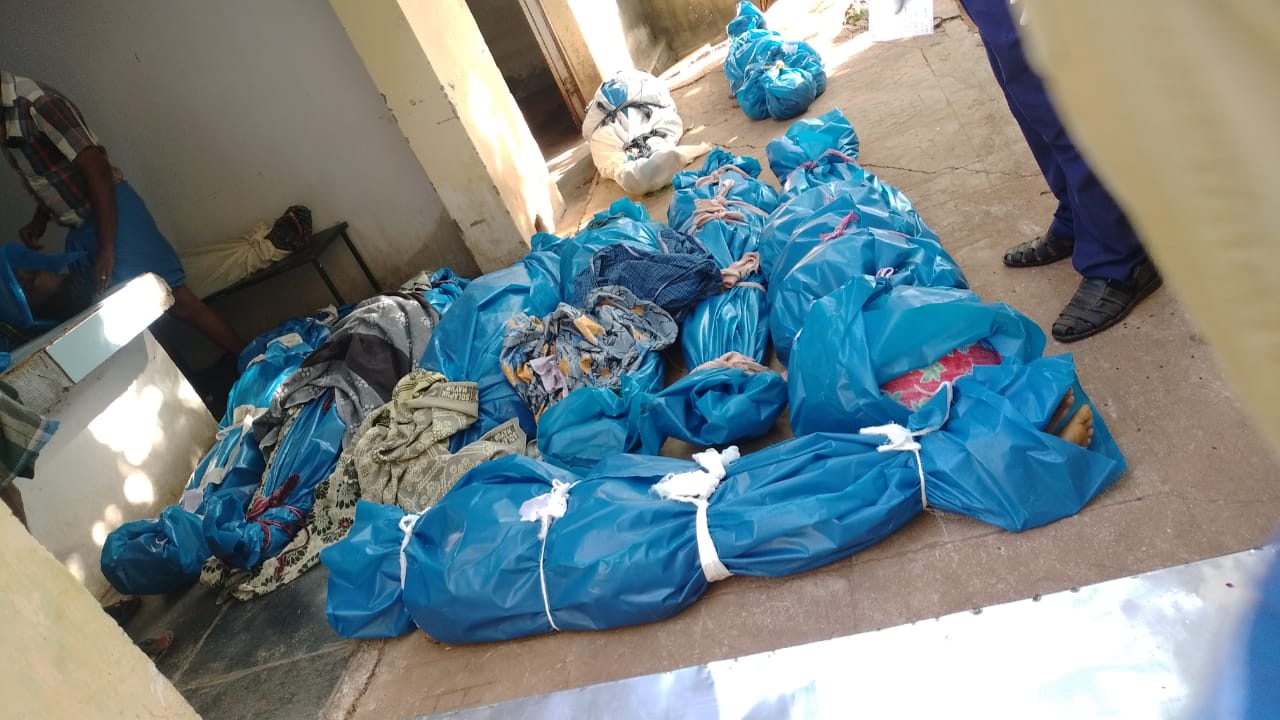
[274, 657]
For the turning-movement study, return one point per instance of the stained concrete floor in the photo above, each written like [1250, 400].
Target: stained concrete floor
[273, 658]
[932, 122]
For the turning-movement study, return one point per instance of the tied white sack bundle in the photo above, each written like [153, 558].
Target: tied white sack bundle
[634, 132]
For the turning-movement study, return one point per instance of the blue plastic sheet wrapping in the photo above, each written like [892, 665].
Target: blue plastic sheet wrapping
[816, 160]
[737, 177]
[869, 332]
[474, 571]
[590, 424]
[243, 536]
[710, 407]
[268, 368]
[155, 556]
[14, 310]
[446, 287]
[714, 407]
[770, 76]
[164, 554]
[725, 206]
[733, 321]
[813, 143]
[364, 599]
[819, 261]
[466, 344]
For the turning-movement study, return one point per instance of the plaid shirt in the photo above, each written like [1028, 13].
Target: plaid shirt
[43, 134]
[23, 434]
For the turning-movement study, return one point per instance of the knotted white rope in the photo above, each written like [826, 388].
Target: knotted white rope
[900, 439]
[407, 524]
[695, 487]
[720, 207]
[732, 276]
[718, 174]
[545, 509]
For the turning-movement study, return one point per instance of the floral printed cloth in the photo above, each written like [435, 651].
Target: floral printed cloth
[915, 388]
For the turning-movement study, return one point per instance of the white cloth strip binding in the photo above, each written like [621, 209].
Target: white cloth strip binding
[407, 524]
[695, 487]
[545, 509]
[241, 419]
[900, 439]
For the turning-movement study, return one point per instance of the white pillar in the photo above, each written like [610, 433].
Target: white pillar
[432, 66]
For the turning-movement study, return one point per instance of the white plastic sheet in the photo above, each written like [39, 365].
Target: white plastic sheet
[634, 133]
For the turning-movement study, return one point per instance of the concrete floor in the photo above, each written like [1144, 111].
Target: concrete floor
[932, 122]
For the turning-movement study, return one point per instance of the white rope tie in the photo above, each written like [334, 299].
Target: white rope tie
[900, 439]
[695, 487]
[718, 174]
[720, 207]
[545, 509]
[407, 524]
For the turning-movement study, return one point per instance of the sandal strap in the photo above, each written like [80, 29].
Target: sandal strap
[1042, 250]
[1096, 302]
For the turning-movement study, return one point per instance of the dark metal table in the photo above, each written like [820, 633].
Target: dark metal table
[310, 255]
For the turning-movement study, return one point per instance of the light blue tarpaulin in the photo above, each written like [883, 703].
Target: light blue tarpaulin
[770, 76]
[825, 253]
[446, 287]
[523, 546]
[475, 568]
[725, 207]
[816, 160]
[869, 332]
[711, 407]
[313, 330]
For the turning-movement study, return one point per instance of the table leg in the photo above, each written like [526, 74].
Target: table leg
[360, 261]
[328, 283]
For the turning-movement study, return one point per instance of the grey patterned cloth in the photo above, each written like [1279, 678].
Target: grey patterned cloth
[370, 349]
[400, 456]
[618, 334]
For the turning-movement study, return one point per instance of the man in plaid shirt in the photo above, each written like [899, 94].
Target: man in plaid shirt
[67, 171]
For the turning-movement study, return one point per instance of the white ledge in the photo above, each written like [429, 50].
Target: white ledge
[45, 368]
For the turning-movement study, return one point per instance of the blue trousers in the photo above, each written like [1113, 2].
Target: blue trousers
[1106, 245]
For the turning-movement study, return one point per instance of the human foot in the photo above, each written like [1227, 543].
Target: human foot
[1078, 428]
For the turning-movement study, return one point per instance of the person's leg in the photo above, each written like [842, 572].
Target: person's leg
[1106, 245]
[13, 498]
[192, 310]
[1062, 226]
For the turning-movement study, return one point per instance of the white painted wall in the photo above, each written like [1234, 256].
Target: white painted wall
[131, 433]
[64, 657]
[224, 113]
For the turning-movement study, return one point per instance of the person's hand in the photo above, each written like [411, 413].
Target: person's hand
[31, 233]
[102, 268]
